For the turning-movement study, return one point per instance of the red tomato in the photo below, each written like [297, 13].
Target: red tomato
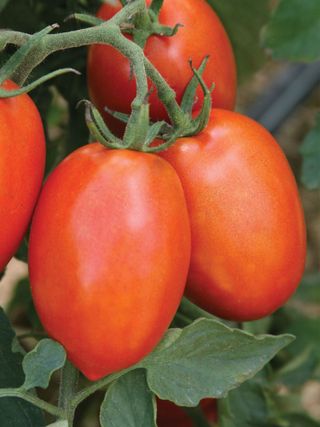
[170, 415]
[109, 255]
[22, 159]
[247, 226]
[202, 34]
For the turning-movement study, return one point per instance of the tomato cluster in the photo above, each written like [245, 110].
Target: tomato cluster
[117, 234]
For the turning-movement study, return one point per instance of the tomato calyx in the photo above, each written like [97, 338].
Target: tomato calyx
[140, 134]
[146, 24]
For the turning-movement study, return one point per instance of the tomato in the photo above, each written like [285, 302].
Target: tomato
[247, 225]
[22, 159]
[109, 255]
[110, 83]
[170, 415]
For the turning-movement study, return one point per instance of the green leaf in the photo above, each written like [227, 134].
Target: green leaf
[306, 330]
[14, 412]
[243, 21]
[293, 32]
[247, 406]
[129, 402]
[299, 369]
[40, 363]
[208, 359]
[310, 151]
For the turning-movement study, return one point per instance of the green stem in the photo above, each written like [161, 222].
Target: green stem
[22, 394]
[68, 388]
[12, 37]
[168, 96]
[68, 384]
[106, 33]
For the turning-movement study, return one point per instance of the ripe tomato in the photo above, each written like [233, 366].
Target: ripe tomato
[22, 159]
[247, 225]
[109, 255]
[170, 415]
[202, 34]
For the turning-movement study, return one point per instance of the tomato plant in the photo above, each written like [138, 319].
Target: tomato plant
[110, 238]
[22, 158]
[247, 224]
[170, 415]
[201, 34]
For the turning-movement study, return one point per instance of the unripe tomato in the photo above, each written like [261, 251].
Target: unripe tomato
[170, 415]
[247, 225]
[109, 255]
[22, 159]
[109, 77]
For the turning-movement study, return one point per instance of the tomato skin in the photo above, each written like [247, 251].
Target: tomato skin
[109, 71]
[247, 225]
[22, 160]
[109, 255]
[170, 415]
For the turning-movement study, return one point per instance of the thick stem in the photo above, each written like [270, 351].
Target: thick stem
[22, 394]
[106, 33]
[12, 37]
[68, 389]
[68, 384]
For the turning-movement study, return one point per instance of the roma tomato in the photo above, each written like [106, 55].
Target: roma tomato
[247, 224]
[170, 415]
[109, 255]
[109, 79]
[22, 159]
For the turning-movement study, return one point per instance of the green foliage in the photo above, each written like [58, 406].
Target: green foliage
[247, 406]
[129, 402]
[14, 412]
[40, 363]
[207, 359]
[243, 21]
[310, 151]
[293, 32]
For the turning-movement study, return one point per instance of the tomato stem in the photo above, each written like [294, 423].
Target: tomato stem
[31, 398]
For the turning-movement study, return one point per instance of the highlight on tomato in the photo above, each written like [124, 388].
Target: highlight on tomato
[22, 161]
[109, 255]
[201, 34]
[247, 224]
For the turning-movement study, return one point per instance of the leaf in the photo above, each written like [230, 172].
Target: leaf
[293, 31]
[247, 406]
[129, 402]
[208, 359]
[310, 151]
[306, 330]
[14, 412]
[299, 369]
[243, 21]
[40, 363]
